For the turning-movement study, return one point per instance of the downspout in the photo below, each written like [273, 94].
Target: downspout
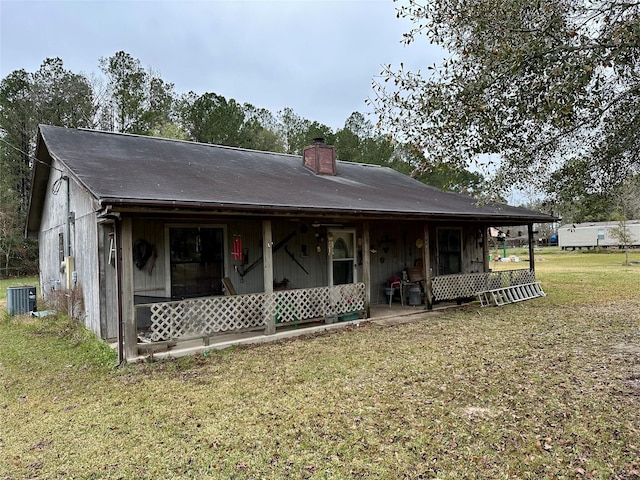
[118, 259]
[118, 265]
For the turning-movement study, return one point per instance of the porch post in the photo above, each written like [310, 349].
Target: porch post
[485, 248]
[267, 255]
[366, 268]
[128, 311]
[426, 265]
[532, 263]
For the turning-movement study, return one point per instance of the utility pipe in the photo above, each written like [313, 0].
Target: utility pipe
[118, 266]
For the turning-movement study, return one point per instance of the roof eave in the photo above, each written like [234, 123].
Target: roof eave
[129, 204]
[39, 179]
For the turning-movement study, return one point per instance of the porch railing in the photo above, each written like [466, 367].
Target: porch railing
[465, 285]
[211, 315]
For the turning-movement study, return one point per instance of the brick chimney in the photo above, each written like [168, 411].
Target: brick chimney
[320, 158]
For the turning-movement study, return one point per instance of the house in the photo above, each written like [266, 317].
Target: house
[596, 234]
[174, 240]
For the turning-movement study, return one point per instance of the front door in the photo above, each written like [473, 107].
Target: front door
[342, 257]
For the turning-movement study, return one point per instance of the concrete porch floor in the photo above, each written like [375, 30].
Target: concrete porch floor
[382, 314]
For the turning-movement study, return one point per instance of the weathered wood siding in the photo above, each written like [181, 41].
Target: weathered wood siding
[472, 249]
[394, 245]
[83, 244]
[84, 248]
[150, 282]
[250, 231]
[108, 281]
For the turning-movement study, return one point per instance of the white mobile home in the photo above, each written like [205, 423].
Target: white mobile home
[596, 234]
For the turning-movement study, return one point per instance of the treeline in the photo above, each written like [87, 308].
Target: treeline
[129, 98]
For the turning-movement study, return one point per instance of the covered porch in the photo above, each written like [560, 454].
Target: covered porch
[196, 325]
[338, 270]
[381, 314]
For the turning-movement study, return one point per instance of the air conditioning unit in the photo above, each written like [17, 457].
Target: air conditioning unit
[21, 300]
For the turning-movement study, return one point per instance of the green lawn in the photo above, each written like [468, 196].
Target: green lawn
[548, 388]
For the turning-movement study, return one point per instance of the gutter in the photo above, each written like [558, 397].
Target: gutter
[246, 209]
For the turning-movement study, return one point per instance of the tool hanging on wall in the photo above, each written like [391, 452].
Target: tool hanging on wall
[293, 257]
[237, 247]
[275, 248]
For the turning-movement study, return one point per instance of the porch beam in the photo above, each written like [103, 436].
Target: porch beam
[267, 255]
[128, 312]
[532, 263]
[366, 268]
[426, 265]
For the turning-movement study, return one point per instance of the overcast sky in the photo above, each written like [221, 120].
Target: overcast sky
[317, 57]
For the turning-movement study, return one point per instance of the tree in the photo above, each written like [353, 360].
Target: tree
[210, 118]
[349, 138]
[62, 97]
[126, 80]
[138, 100]
[622, 233]
[627, 207]
[10, 235]
[577, 197]
[260, 130]
[540, 84]
[297, 132]
[292, 128]
[18, 131]
[445, 176]
[51, 95]
[357, 141]
[169, 130]
[159, 106]
[347, 145]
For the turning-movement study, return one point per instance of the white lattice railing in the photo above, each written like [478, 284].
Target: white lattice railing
[211, 315]
[450, 287]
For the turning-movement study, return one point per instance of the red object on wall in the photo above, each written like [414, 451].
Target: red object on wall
[237, 248]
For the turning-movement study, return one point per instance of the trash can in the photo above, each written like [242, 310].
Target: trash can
[415, 295]
[21, 300]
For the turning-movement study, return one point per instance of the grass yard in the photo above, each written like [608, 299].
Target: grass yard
[548, 388]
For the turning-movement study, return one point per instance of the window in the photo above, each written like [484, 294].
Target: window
[449, 251]
[196, 258]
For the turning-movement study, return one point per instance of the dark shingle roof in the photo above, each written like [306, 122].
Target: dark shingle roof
[133, 170]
